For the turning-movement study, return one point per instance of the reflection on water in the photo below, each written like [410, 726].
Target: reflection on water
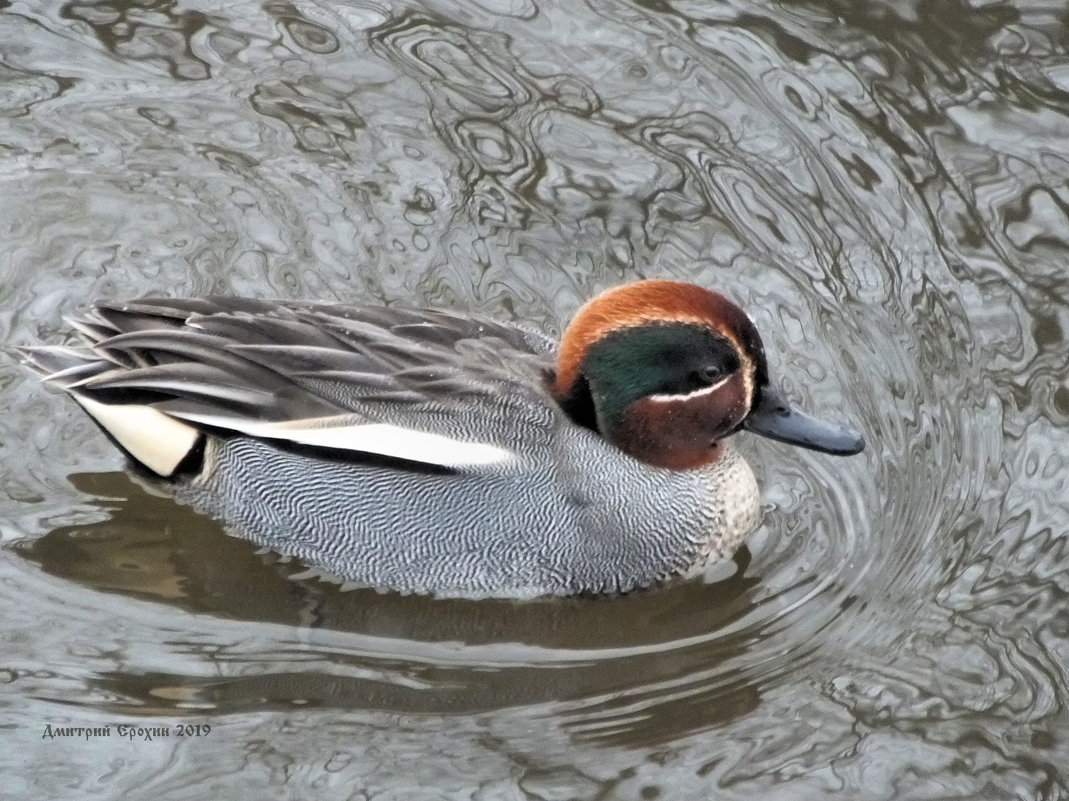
[515, 652]
[191, 563]
[882, 185]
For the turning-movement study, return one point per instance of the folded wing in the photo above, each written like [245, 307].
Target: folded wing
[422, 386]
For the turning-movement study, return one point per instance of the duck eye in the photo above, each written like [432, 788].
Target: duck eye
[710, 374]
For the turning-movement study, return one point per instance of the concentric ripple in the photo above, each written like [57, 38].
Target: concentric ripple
[881, 185]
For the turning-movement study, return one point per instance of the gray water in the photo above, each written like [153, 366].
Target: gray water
[883, 185]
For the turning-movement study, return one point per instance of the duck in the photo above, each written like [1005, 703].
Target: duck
[427, 451]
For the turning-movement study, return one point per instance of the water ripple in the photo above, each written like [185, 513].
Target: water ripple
[881, 184]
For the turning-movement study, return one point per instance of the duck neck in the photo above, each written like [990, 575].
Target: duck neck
[578, 404]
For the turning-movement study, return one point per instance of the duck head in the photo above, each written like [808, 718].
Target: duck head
[665, 370]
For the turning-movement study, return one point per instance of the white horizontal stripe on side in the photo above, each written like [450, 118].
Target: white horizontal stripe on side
[384, 439]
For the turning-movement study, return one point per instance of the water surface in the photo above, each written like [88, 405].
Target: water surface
[883, 185]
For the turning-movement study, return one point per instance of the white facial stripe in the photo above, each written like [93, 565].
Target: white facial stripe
[749, 369]
[686, 396]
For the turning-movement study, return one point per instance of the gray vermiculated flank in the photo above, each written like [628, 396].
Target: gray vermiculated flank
[579, 520]
[568, 514]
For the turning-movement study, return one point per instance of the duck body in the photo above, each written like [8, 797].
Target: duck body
[429, 452]
[539, 526]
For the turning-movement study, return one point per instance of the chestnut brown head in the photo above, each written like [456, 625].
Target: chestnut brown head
[665, 370]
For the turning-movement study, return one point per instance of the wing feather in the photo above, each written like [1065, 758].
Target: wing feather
[425, 386]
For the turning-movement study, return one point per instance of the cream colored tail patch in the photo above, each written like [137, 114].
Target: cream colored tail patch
[155, 440]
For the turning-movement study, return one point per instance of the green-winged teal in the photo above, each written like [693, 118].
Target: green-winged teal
[427, 451]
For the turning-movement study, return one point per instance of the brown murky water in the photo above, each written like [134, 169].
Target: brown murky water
[884, 185]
